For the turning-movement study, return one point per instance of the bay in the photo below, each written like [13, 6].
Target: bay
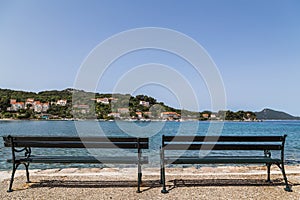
[154, 130]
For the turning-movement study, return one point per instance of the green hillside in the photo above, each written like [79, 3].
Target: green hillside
[78, 104]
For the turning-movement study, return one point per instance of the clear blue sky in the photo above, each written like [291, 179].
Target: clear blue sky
[255, 44]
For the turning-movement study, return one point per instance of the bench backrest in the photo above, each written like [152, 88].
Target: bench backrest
[223, 142]
[76, 142]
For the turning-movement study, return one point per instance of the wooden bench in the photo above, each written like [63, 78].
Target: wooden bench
[242, 149]
[23, 151]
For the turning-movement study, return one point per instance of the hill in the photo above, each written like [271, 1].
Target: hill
[274, 115]
[78, 104]
[56, 104]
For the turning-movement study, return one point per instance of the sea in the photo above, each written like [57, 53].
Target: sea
[151, 129]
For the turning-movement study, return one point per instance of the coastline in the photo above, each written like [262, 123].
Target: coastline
[154, 120]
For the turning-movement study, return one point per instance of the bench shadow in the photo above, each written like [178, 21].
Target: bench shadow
[146, 185]
[224, 183]
[151, 184]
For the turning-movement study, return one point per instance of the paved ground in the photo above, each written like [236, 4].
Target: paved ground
[182, 183]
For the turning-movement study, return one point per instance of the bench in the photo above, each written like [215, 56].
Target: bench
[243, 150]
[23, 151]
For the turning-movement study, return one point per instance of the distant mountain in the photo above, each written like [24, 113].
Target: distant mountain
[273, 114]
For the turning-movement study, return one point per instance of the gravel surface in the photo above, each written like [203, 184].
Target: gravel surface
[182, 183]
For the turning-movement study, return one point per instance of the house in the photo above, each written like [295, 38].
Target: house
[205, 115]
[139, 114]
[61, 102]
[13, 101]
[16, 106]
[37, 106]
[45, 107]
[144, 103]
[169, 115]
[149, 114]
[114, 114]
[213, 116]
[102, 100]
[29, 103]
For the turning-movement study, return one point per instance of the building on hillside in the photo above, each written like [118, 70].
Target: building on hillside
[144, 103]
[139, 114]
[16, 106]
[114, 114]
[213, 116]
[102, 100]
[45, 107]
[149, 114]
[29, 103]
[169, 115]
[13, 101]
[37, 107]
[205, 115]
[61, 102]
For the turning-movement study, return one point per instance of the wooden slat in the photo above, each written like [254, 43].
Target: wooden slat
[58, 138]
[222, 147]
[221, 160]
[63, 144]
[77, 142]
[82, 159]
[223, 138]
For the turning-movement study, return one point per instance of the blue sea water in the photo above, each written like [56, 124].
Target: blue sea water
[153, 130]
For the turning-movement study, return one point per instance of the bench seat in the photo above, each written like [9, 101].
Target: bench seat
[80, 159]
[221, 160]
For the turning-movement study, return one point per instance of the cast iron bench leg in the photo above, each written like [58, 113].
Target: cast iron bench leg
[139, 178]
[160, 180]
[162, 171]
[139, 182]
[164, 190]
[27, 172]
[15, 166]
[161, 166]
[287, 186]
[268, 170]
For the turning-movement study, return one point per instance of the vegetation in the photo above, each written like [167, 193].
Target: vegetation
[88, 105]
[266, 114]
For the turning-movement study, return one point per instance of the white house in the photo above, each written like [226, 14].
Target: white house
[61, 102]
[37, 106]
[115, 115]
[45, 107]
[102, 100]
[144, 103]
[139, 114]
[17, 106]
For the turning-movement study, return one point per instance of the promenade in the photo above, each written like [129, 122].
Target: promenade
[228, 182]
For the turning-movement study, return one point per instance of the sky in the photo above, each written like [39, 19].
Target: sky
[254, 44]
